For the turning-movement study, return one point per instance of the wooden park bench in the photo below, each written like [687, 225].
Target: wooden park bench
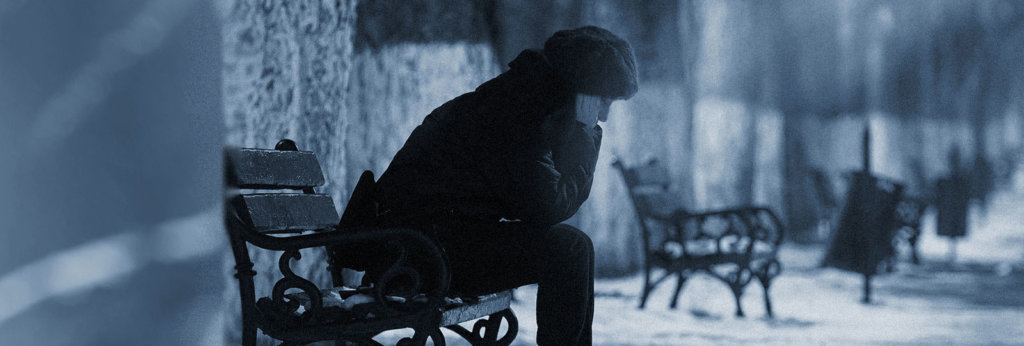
[270, 204]
[733, 245]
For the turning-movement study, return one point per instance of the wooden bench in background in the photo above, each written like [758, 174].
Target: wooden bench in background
[271, 204]
[733, 245]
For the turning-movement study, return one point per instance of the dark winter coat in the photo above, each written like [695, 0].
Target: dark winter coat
[510, 149]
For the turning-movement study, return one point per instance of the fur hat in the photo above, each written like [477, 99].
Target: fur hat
[593, 61]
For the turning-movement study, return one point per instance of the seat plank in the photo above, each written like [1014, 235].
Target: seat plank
[249, 168]
[289, 212]
[487, 305]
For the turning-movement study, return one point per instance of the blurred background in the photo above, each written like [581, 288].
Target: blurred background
[116, 111]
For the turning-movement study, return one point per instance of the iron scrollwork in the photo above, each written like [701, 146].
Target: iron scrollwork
[422, 334]
[485, 331]
[290, 281]
[399, 280]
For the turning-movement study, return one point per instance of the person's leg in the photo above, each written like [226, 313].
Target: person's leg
[490, 258]
[565, 287]
[559, 259]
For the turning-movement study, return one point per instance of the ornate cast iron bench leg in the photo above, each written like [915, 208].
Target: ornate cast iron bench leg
[737, 292]
[737, 280]
[765, 275]
[490, 327]
[647, 287]
[680, 280]
[765, 283]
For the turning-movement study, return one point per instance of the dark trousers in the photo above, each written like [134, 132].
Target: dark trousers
[488, 258]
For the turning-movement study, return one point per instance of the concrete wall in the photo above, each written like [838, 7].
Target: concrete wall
[311, 72]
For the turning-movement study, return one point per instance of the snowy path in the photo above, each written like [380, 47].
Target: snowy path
[812, 307]
[977, 301]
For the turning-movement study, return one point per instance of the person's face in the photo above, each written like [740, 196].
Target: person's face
[591, 109]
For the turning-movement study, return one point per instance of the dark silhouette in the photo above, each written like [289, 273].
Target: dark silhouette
[492, 173]
[953, 195]
[867, 224]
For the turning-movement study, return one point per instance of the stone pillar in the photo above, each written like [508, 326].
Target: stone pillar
[286, 71]
[349, 91]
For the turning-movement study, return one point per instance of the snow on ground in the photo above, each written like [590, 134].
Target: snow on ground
[812, 306]
[995, 235]
[978, 301]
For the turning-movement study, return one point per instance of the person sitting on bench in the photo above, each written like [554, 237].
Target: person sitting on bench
[492, 174]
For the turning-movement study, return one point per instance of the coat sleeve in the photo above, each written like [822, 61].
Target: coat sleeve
[551, 178]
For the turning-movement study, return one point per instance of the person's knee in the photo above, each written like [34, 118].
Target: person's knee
[572, 240]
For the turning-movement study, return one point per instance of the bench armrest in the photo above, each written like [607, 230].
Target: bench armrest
[398, 270]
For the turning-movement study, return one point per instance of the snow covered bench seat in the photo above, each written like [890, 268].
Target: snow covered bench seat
[734, 245]
[271, 204]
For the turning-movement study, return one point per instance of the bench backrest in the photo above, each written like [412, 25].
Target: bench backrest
[272, 190]
[648, 186]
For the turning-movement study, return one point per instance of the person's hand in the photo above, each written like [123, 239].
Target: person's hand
[586, 116]
[591, 109]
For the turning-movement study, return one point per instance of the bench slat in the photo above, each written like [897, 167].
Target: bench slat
[290, 211]
[272, 169]
[487, 305]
